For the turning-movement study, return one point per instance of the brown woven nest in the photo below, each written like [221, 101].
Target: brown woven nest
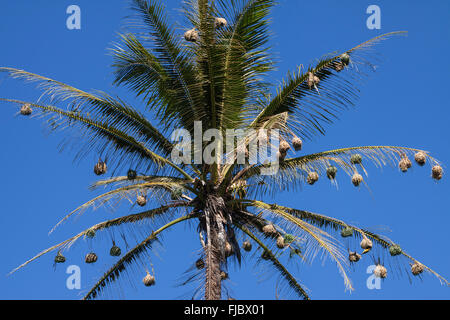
[313, 80]
[199, 264]
[59, 258]
[115, 251]
[269, 230]
[281, 244]
[436, 172]
[354, 257]
[380, 271]
[91, 258]
[421, 158]
[141, 200]
[312, 178]
[345, 59]
[297, 143]
[100, 167]
[223, 275]
[417, 269]
[404, 164]
[247, 246]
[357, 179]
[281, 156]
[148, 280]
[191, 35]
[338, 66]
[220, 22]
[366, 244]
[25, 109]
[284, 146]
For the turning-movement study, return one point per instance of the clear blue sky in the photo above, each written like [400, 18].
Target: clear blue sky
[404, 103]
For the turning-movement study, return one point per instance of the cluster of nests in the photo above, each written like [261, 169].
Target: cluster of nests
[92, 257]
[366, 244]
[404, 164]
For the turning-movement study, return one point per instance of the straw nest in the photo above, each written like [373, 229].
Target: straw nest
[131, 174]
[380, 271]
[312, 177]
[357, 179]
[331, 172]
[25, 109]
[191, 35]
[284, 146]
[90, 233]
[223, 275]
[346, 232]
[220, 22]
[313, 80]
[345, 59]
[405, 164]
[115, 251]
[90, 258]
[297, 143]
[417, 268]
[141, 200]
[228, 249]
[366, 244]
[356, 158]
[421, 158]
[395, 250]
[100, 167]
[59, 258]
[354, 257]
[148, 280]
[269, 230]
[247, 246]
[199, 264]
[436, 172]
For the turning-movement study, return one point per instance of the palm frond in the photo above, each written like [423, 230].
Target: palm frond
[323, 221]
[132, 218]
[290, 279]
[115, 271]
[317, 239]
[120, 193]
[100, 106]
[336, 91]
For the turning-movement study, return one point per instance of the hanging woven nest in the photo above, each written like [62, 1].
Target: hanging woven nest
[25, 109]
[100, 167]
[199, 264]
[313, 80]
[228, 249]
[141, 200]
[356, 158]
[297, 143]
[115, 251]
[220, 22]
[90, 233]
[354, 257]
[380, 271]
[338, 66]
[346, 232]
[417, 269]
[404, 164]
[59, 258]
[148, 280]
[345, 59]
[421, 158]
[269, 230]
[288, 239]
[331, 172]
[280, 242]
[191, 35]
[436, 172]
[366, 244]
[131, 174]
[223, 275]
[395, 250]
[90, 258]
[357, 179]
[284, 146]
[247, 246]
[312, 178]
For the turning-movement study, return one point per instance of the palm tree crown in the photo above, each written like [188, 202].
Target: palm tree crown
[214, 77]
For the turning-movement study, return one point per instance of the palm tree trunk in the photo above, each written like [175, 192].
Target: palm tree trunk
[213, 285]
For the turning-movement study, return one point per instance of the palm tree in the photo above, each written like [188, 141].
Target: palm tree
[216, 76]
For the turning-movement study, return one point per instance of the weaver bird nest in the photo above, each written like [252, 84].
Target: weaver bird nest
[421, 158]
[404, 164]
[141, 200]
[417, 269]
[345, 59]
[312, 177]
[90, 233]
[357, 179]
[148, 280]
[366, 244]
[199, 264]
[380, 271]
[91, 258]
[436, 172]
[395, 250]
[59, 258]
[354, 257]
[220, 22]
[297, 143]
[26, 110]
[313, 80]
[115, 251]
[269, 230]
[191, 35]
[346, 232]
[284, 146]
[247, 246]
[100, 167]
[356, 158]
[331, 172]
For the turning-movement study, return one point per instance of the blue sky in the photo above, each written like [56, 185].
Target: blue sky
[404, 103]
